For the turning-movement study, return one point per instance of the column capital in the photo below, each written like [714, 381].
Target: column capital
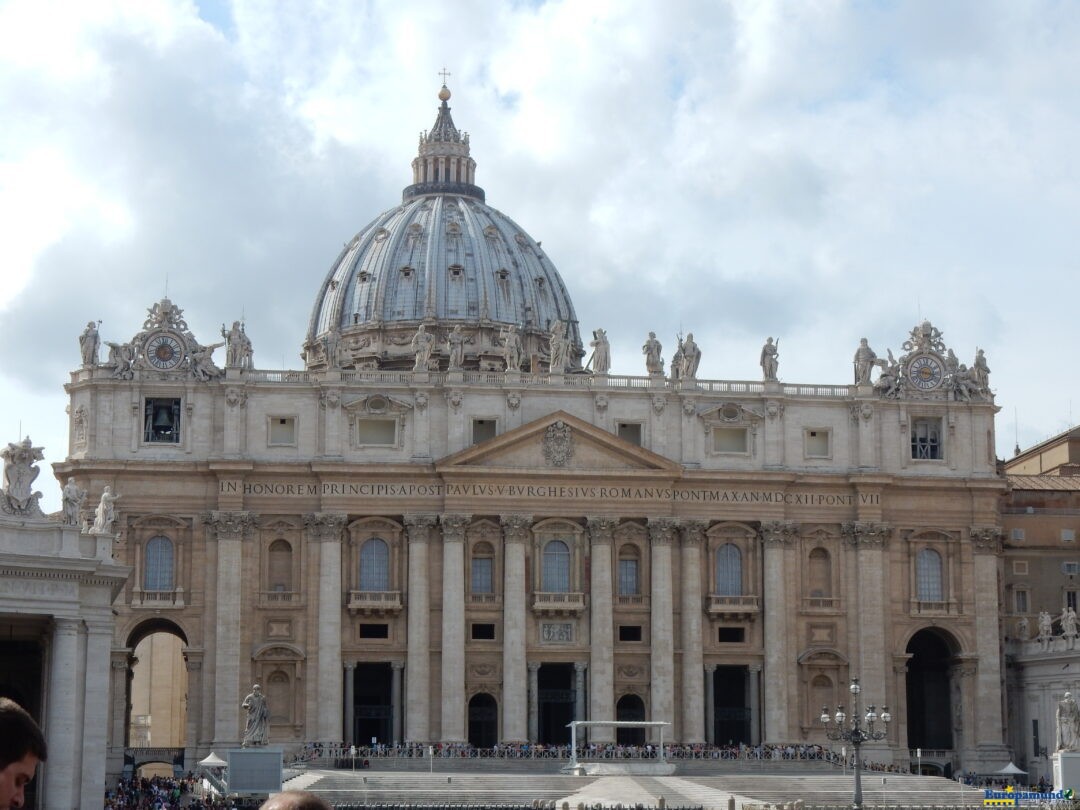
[63, 626]
[601, 529]
[193, 659]
[419, 527]
[693, 532]
[516, 527]
[866, 534]
[662, 531]
[230, 525]
[754, 667]
[986, 539]
[580, 666]
[533, 666]
[397, 665]
[349, 666]
[710, 668]
[453, 527]
[324, 526]
[779, 532]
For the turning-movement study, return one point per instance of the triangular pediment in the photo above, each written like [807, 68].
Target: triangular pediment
[559, 442]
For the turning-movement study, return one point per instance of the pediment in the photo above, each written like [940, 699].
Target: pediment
[556, 443]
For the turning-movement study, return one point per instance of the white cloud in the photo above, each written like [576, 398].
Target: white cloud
[819, 171]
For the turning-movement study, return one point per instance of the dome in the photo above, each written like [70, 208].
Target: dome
[442, 259]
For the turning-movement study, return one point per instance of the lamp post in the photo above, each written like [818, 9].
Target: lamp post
[856, 733]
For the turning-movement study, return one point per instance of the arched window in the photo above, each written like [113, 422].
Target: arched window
[279, 566]
[374, 565]
[729, 570]
[928, 580]
[629, 571]
[820, 573]
[158, 570]
[556, 569]
[483, 569]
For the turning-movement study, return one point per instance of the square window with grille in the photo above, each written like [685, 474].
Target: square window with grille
[374, 631]
[629, 432]
[731, 635]
[1020, 568]
[817, 443]
[926, 443]
[731, 440]
[1016, 535]
[629, 632]
[282, 431]
[161, 420]
[482, 430]
[376, 432]
[1068, 535]
[483, 631]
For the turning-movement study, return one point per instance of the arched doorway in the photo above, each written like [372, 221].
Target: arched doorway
[157, 692]
[630, 708]
[930, 709]
[483, 721]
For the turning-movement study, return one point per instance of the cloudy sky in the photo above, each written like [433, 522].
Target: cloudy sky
[817, 171]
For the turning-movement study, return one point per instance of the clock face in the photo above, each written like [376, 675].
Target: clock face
[164, 351]
[925, 371]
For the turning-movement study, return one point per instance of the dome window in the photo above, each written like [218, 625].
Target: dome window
[502, 274]
[491, 232]
[540, 282]
[456, 271]
[453, 229]
[406, 272]
[364, 276]
[381, 234]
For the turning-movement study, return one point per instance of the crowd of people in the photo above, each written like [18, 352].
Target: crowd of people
[155, 793]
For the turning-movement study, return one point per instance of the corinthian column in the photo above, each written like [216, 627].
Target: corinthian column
[602, 632]
[62, 771]
[693, 714]
[986, 545]
[418, 665]
[453, 628]
[229, 529]
[515, 705]
[325, 529]
[869, 540]
[779, 663]
[662, 661]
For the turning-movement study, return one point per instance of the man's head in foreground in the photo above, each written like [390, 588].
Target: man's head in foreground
[295, 800]
[22, 746]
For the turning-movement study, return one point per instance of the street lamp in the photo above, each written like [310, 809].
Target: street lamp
[856, 733]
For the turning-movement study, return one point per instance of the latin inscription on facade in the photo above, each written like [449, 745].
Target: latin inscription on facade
[610, 494]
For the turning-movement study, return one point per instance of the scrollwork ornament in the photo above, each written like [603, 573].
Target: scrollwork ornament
[455, 398]
[601, 529]
[689, 407]
[513, 400]
[329, 399]
[235, 397]
[774, 410]
[986, 539]
[231, 525]
[600, 401]
[866, 534]
[516, 528]
[658, 403]
[662, 531]
[421, 401]
[778, 532]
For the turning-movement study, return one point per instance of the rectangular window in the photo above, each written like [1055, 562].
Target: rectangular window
[161, 421]
[1020, 602]
[1035, 737]
[282, 430]
[817, 443]
[1068, 535]
[374, 631]
[482, 430]
[376, 431]
[730, 440]
[731, 635]
[482, 575]
[926, 439]
[628, 577]
[629, 432]
[1070, 568]
[483, 632]
[629, 632]
[1070, 599]
[1020, 568]
[1016, 535]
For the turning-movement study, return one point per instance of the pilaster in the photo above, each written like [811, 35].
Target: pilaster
[324, 529]
[418, 673]
[518, 721]
[986, 549]
[601, 627]
[693, 710]
[777, 537]
[662, 533]
[61, 771]
[453, 628]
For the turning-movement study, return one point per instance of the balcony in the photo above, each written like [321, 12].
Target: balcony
[632, 600]
[157, 599]
[923, 607]
[732, 607]
[821, 604]
[279, 599]
[483, 599]
[374, 603]
[558, 604]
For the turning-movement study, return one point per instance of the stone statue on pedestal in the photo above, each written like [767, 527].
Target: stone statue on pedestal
[88, 344]
[258, 718]
[1068, 626]
[455, 347]
[690, 358]
[770, 360]
[1068, 724]
[654, 363]
[105, 513]
[864, 362]
[600, 361]
[511, 348]
[558, 346]
[73, 498]
[1046, 629]
[238, 352]
[422, 344]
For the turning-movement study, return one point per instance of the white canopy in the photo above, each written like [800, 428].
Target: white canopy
[1010, 770]
[214, 761]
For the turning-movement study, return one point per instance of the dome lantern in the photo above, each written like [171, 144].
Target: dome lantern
[443, 165]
